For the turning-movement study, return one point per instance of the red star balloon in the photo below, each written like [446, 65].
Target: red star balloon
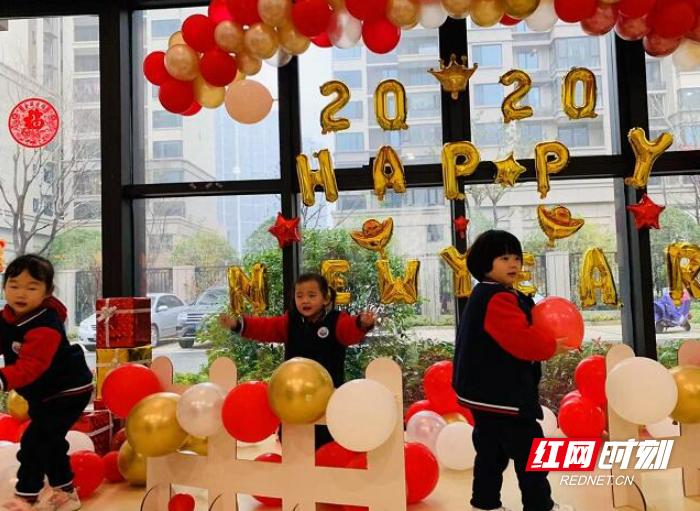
[461, 224]
[285, 230]
[646, 213]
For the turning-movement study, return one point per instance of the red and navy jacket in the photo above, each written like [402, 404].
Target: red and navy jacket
[498, 353]
[40, 363]
[324, 341]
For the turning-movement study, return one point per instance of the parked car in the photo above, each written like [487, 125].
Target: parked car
[189, 321]
[164, 311]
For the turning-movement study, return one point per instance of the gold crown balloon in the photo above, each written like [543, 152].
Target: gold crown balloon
[455, 77]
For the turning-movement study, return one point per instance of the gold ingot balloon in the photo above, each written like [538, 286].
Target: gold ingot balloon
[17, 406]
[544, 166]
[510, 108]
[299, 391]
[398, 290]
[208, 95]
[557, 223]
[275, 12]
[387, 172]
[590, 93]
[381, 94]
[132, 465]
[646, 153]
[454, 417]
[594, 260]
[253, 289]
[486, 13]
[182, 62]
[292, 41]
[328, 121]
[176, 38]
[261, 41]
[525, 275]
[402, 13]
[687, 410]
[310, 180]
[248, 64]
[461, 279]
[375, 235]
[520, 9]
[451, 170]
[682, 268]
[456, 8]
[152, 427]
[197, 445]
[229, 36]
[333, 271]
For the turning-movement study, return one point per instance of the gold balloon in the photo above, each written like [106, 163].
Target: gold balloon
[510, 108]
[456, 8]
[646, 153]
[310, 179]
[176, 38]
[594, 260]
[292, 41]
[544, 166]
[681, 274]
[152, 427]
[208, 95]
[132, 465]
[525, 275]
[451, 170]
[248, 64]
[508, 171]
[520, 9]
[299, 391]
[557, 223]
[381, 94]
[275, 12]
[229, 36]
[590, 93]
[328, 122]
[375, 235]
[17, 406]
[461, 279]
[402, 13]
[333, 270]
[196, 445]
[687, 410]
[182, 62]
[398, 290]
[486, 13]
[454, 417]
[261, 41]
[387, 172]
[253, 288]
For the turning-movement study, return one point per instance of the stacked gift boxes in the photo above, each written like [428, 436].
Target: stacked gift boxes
[98, 425]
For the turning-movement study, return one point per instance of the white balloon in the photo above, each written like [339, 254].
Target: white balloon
[687, 56]
[641, 391]
[544, 17]
[79, 441]
[344, 30]
[280, 58]
[664, 428]
[199, 409]
[361, 415]
[431, 14]
[424, 427]
[454, 448]
[548, 423]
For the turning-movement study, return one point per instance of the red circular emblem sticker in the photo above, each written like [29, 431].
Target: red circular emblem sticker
[33, 122]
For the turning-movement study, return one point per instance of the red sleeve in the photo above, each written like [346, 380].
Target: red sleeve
[35, 357]
[266, 329]
[508, 325]
[347, 331]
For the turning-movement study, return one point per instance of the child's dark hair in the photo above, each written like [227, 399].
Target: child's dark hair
[323, 285]
[38, 267]
[488, 246]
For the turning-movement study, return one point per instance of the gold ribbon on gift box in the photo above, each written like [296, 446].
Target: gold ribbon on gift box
[111, 358]
[107, 312]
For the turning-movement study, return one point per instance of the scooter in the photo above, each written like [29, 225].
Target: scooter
[667, 315]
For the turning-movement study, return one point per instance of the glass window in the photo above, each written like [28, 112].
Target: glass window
[163, 119]
[487, 55]
[425, 104]
[86, 90]
[349, 142]
[577, 51]
[353, 53]
[167, 149]
[414, 73]
[689, 98]
[527, 59]
[86, 61]
[488, 94]
[353, 79]
[531, 133]
[654, 77]
[87, 120]
[418, 43]
[165, 28]
[488, 134]
[86, 30]
[353, 110]
[574, 136]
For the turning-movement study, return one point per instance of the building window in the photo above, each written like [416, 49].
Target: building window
[574, 136]
[434, 233]
[43, 205]
[530, 133]
[488, 133]
[487, 55]
[85, 62]
[425, 104]
[488, 94]
[422, 135]
[577, 51]
[353, 110]
[86, 149]
[349, 142]
[169, 208]
[378, 73]
[86, 30]
[689, 98]
[169, 176]
[87, 211]
[165, 28]
[527, 58]
[352, 202]
[691, 135]
[164, 120]
[419, 46]
[415, 74]
[160, 241]
[353, 79]
[49, 172]
[353, 53]
[167, 149]
[657, 105]
[532, 99]
[654, 78]
[86, 90]
[87, 120]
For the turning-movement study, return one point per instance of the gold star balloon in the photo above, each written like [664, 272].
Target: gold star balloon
[508, 171]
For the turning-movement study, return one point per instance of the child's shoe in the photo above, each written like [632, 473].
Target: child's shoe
[58, 500]
[16, 504]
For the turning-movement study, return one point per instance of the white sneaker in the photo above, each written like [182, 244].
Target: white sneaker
[563, 507]
[58, 500]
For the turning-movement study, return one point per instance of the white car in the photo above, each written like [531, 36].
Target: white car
[164, 310]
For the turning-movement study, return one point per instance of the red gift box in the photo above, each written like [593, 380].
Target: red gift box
[98, 426]
[123, 322]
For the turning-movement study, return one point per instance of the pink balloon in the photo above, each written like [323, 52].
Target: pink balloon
[248, 101]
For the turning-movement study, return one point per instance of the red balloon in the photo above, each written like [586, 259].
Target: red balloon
[574, 11]
[632, 29]
[422, 472]
[561, 318]
[380, 35]
[322, 40]
[635, 8]
[218, 67]
[181, 502]
[269, 501]
[590, 379]
[111, 463]
[311, 17]
[674, 18]
[602, 21]
[334, 455]
[218, 11]
[88, 472]
[193, 109]
[508, 21]
[694, 33]
[128, 384]
[581, 418]
[658, 46]
[198, 32]
[154, 68]
[9, 428]
[574, 394]
[246, 413]
[419, 406]
[117, 440]
[437, 386]
[365, 10]
[244, 12]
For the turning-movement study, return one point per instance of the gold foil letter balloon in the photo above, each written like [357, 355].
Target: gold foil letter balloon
[590, 93]
[646, 154]
[594, 260]
[328, 121]
[253, 289]
[395, 290]
[387, 172]
[683, 266]
[381, 97]
[461, 279]
[544, 166]
[469, 158]
[511, 110]
[324, 177]
[525, 283]
[557, 223]
[333, 270]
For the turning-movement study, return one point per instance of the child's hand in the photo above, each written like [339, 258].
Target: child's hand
[562, 347]
[227, 321]
[367, 320]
